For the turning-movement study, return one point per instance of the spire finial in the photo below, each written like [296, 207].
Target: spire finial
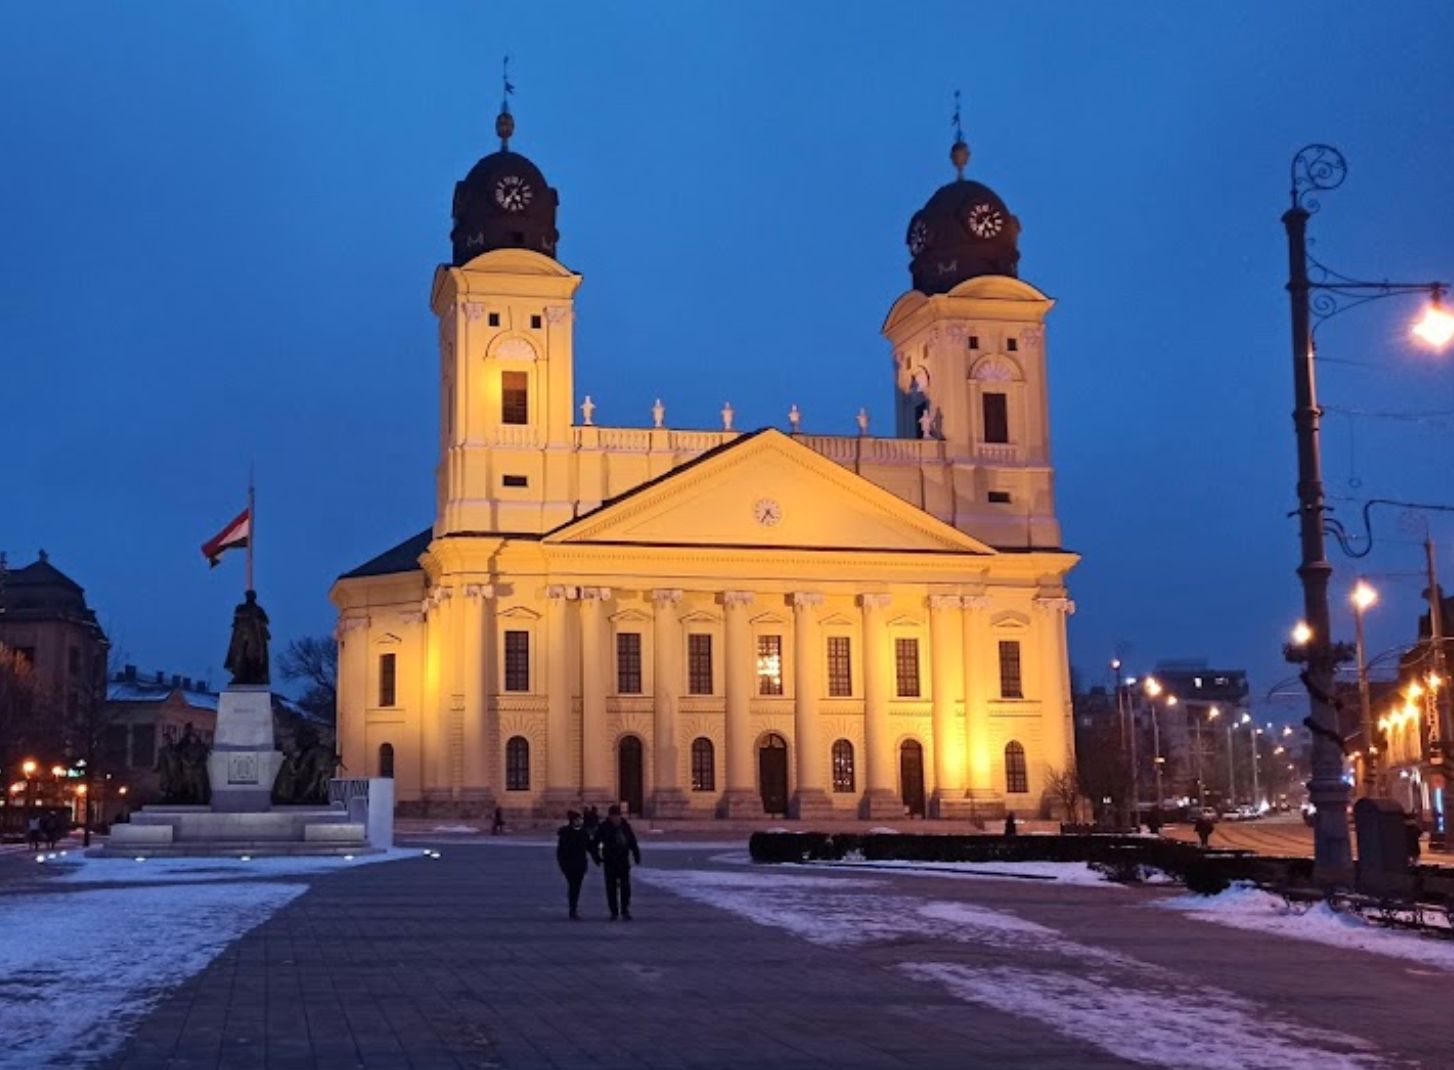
[959, 151]
[505, 122]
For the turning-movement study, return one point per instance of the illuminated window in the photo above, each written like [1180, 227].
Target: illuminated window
[1010, 683]
[1017, 778]
[906, 667]
[704, 768]
[386, 680]
[699, 664]
[769, 665]
[514, 397]
[843, 778]
[840, 667]
[628, 663]
[517, 661]
[517, 764]
[996, 417]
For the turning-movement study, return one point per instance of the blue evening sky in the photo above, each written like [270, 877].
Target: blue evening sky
[220, 223]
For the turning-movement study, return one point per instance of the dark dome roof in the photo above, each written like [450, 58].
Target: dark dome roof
[963, 231]
[40, 591]
[503, 203]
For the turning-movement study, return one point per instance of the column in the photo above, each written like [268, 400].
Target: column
[741, 799]
[811, 799]
[473, 654]
[978, 687]
[946, 683]
[880, 800]
[1053, 672]
[595, 677]
[560, 780]
[668, 798]
[435, 715]
[352, 635]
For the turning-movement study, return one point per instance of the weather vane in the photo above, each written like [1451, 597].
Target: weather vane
[505, 122]
[959, 151]
[958, 127]
[509, 89]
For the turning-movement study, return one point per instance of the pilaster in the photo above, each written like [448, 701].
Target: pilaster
[741, 799]
[810, 800]
[880, 800]
[561, 788]
[668, 797]
[947, 679]
[595, 675]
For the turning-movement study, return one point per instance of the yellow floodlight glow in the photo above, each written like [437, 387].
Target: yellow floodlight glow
[1153, 686]
[1301, 633]
[1436, 325]
[1364, 596]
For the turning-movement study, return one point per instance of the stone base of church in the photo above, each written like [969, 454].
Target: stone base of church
[554, 802]
[880, 803]
[670, 803]
[953, 806]
[810, 804]
[476, 803]
[740, 803]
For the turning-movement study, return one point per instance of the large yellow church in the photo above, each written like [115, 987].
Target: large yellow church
[721, 622]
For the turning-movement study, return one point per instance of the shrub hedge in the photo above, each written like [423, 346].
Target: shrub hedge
[1120, 857]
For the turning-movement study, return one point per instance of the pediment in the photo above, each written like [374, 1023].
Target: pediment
[766, 490]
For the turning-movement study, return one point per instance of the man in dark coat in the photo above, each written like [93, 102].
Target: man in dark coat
[618, 848]
[572, 848]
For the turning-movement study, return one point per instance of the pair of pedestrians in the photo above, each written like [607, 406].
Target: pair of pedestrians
[612, 845]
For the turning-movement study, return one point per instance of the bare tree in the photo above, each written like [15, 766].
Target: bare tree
[27, 725]
[313, 662]
[1064, 787]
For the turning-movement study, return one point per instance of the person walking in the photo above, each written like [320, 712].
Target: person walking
[573, 847]
[618, 847]
[1203, 829]
[592, 820]
[32, 831]
[1010, 828]
[499, 826]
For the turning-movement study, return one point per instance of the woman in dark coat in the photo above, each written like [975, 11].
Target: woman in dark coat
[573, 847]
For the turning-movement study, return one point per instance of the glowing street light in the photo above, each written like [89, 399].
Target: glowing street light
[1436, 325]
[1363, 596]
[1302, 635]
[28, 767]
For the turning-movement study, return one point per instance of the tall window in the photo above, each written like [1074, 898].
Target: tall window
[769, 665]
[906, 667]
[628, 663]
[996, 417]
[514, 397]
[843, 766]
[1017, 779]
[386, 760]
[699, 664]
[517, 661]
[704, 768]
[517, 764]
[387, 693]
[840, 667]
[1010, 684]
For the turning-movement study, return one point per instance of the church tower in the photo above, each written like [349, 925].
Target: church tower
[505, 308]
[969, 357]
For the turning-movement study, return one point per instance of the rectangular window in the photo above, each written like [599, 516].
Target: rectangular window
[143, 746]
[769, 665]
[704, 773]
[1011, 344]
[699, 664]
[517, 661]
[628, 663]
[974, 341]
[387, 693]
[1000, 497]
[1010, 685]
[516, 481]
[906, 667]
[535, 323]
[996, 417]
[514, 397]
[494, 319]
[840, 667]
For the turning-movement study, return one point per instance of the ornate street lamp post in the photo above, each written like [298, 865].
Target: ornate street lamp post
[1318, 168]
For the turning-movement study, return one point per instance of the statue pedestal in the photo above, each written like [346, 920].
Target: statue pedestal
[244, 761]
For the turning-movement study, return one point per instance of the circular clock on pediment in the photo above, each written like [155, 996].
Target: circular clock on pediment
[918, 236]
[767, 512]
[513, 193]
[985, 220]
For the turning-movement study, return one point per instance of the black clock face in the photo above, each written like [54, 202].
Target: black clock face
[985, 220]
[918, 236]
[513, 193]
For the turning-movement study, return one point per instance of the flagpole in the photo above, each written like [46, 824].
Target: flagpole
[251, 526]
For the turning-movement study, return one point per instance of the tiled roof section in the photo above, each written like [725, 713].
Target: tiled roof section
[401, 558]
[141, 691]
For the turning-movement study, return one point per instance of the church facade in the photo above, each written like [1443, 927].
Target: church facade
[721, 622]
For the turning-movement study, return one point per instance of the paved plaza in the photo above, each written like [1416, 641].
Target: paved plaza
[468, 961]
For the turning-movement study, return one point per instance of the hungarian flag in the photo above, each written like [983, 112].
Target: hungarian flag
[232, 537]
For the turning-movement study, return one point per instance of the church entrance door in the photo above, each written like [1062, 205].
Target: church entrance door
[911, 776]
[772, 774]
[630, 785]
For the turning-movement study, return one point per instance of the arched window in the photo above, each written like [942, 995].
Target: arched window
[517, 764]
[843, 779]
[704, 766]
[386, 760]
[1017, 778]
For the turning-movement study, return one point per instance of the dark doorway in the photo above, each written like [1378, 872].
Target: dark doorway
[772, 774]
[631, 787]
[911, 776]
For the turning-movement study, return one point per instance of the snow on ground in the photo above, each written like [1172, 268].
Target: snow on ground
[1244, 906]
[79, 968]
[455, 829]
[1161, 1016]
[1078, 873]
[77, 868]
